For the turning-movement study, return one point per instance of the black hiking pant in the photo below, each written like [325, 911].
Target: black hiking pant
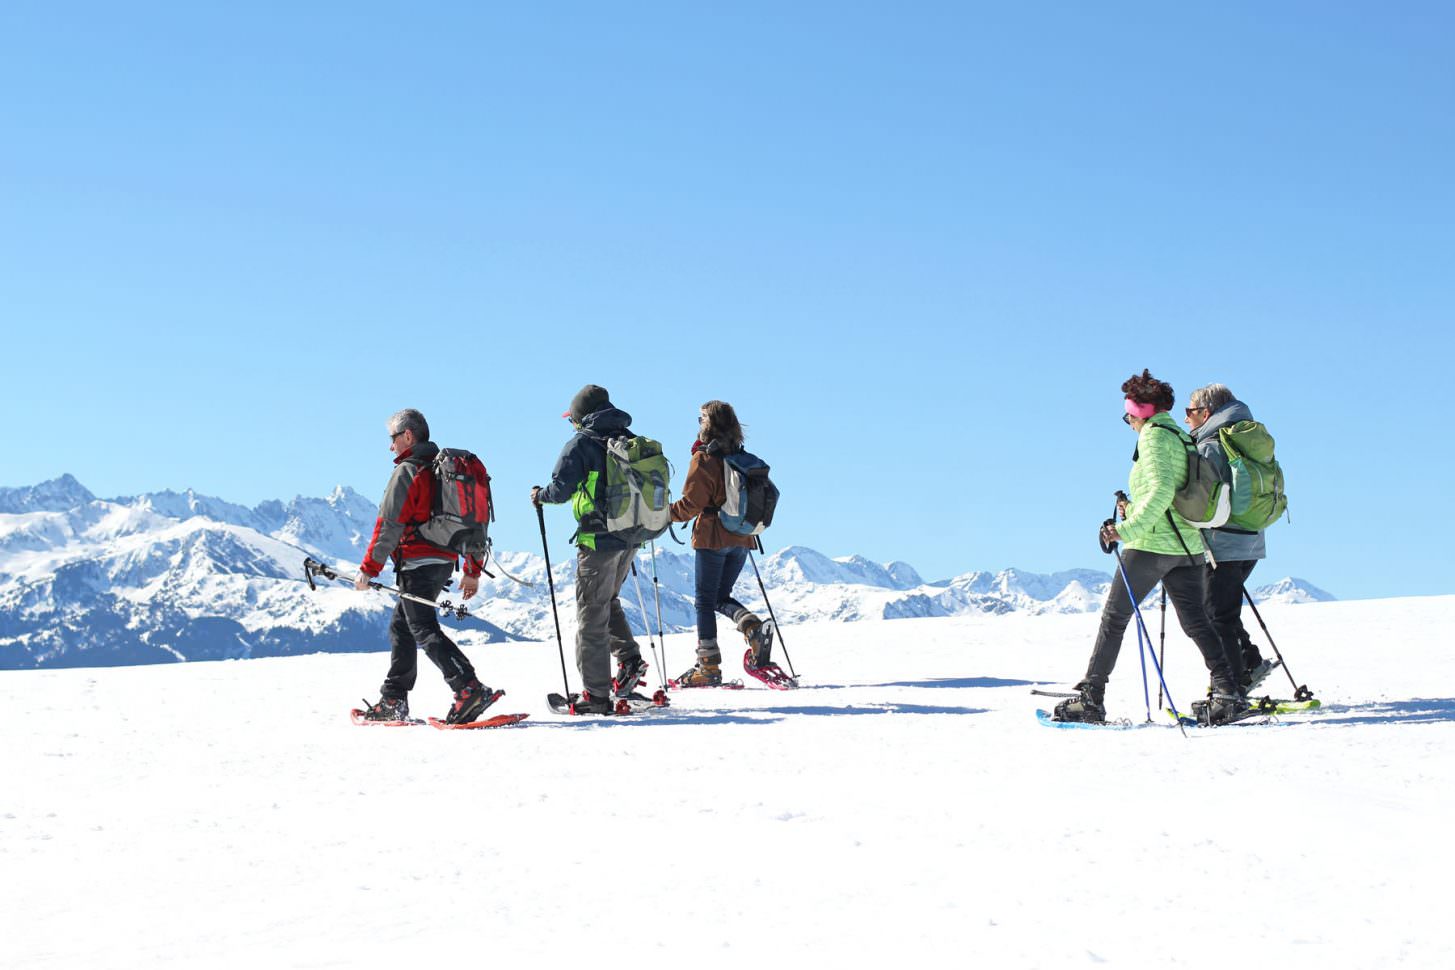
[1225, 610]
[416, 627]
[1186, 586]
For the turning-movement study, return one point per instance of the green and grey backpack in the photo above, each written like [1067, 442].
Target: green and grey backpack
[638, 489]
[1258, 497]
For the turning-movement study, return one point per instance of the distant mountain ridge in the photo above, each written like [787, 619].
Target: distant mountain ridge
[170, 576]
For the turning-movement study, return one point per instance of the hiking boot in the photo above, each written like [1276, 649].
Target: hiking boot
[470, 700]
[702, 674]
[1259, 673]
[387, 709]
[584, 703]
[760, 641]
[1249, 650]
[1087, 708]
[1221, 708]
[629, 674]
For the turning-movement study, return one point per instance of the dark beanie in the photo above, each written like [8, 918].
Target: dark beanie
[588, 400]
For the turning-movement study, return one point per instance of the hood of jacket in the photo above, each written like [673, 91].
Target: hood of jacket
[606, 423]
[1230, 413]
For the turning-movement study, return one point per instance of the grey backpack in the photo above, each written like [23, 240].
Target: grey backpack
[1205, 501]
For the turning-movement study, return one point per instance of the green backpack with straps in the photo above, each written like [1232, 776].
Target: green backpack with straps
[1258, 498]
[638, 492]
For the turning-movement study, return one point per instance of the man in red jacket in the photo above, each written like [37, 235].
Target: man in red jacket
[423, 569]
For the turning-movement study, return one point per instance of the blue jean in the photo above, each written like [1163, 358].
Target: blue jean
[717, 573]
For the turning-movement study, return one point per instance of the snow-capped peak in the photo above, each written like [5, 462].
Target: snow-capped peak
[1291, 589]
[57, 495]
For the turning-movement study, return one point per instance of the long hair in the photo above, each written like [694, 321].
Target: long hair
[722, 424]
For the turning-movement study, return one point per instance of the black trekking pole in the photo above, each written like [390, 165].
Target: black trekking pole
[1300, 693]
[1162, 645]
[551, 581]
[1111, 547]
[778, 630]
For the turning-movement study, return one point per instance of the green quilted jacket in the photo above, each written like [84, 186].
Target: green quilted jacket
[1159, 469]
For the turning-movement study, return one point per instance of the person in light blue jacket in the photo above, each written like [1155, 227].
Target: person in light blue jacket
[1234, 551]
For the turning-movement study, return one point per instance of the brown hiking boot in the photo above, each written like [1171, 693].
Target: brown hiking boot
[703, 674]
[707, 672]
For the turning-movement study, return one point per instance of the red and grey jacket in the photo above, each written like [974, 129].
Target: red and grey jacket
[408, 498]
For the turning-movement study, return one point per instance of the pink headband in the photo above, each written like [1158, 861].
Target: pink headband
[1138, 410]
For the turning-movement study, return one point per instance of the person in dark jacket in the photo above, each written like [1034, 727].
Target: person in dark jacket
[1234, 551]
[720, 554]
[423, 570]
[603, 561]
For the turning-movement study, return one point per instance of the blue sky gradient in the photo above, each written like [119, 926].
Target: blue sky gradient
[918, 247]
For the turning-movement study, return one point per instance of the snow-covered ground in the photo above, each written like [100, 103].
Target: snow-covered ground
[903, 807]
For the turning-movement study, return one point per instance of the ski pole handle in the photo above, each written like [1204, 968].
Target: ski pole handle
[1108, 546]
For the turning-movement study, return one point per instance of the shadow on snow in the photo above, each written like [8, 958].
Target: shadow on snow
[886, 708]
[655, 718]
[767, 715]
[940, 683]
[1415, 711]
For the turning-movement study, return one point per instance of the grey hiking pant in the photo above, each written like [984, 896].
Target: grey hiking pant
[1186, 586]
[601, 627]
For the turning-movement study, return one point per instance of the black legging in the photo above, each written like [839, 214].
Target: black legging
[1186, 586]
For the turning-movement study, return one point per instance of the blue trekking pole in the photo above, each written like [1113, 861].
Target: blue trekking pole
[1111, 547]
[1141, 647]
[1142, 659]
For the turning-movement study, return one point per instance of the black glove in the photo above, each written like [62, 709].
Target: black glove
[1108, 545]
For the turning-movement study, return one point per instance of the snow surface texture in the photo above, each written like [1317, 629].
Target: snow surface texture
[171, 576]
[903, 807]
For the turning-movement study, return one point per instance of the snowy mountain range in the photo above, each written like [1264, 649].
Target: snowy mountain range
[169, 576]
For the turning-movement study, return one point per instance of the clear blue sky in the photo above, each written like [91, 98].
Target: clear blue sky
[919, 247]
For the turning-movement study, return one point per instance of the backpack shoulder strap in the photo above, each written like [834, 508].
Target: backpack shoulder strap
[1181, 541]
[1187, 440]
[1191, 446]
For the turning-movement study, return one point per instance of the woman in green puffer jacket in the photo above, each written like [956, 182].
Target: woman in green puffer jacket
[1160, 547]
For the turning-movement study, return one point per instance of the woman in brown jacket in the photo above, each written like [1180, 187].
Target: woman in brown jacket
[720, 553]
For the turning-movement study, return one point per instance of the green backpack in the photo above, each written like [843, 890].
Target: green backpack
[1258, 496]
[638, 489]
